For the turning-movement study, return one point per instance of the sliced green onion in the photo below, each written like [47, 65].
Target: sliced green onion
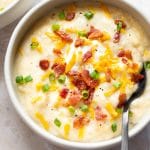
[57, 122]
[19, 80]
[117, 84]
[119, 110]
[84, 108]
[130, 113]
[28, 79]
[34, 45]
[82, 33]
[94, 75]
[52, 77]
[119, 26]
[61, 15]
[85, 94]
[62, 79]
[46, 88]
[147, 65]
[71, 109]
[89, 15]
[55, 27]
[114, 127]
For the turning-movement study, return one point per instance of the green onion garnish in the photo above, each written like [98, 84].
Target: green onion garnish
[71, 109]
[85, 94]
[55, 27]
[23, 80]
[46, 88]
[19, 80]
[130, 113]
[62, 79]
[117, 84]
[114, 127]
[94, 75]
[119, 110]
[89, 15]
[147, 65]
[34, 45]
[28, 79]
[52, 77]
[57, 122]
[82, 33]
[84, 108]
[119, 26]
[61, 15]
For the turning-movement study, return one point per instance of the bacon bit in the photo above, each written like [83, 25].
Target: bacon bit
[122, 99]
[126, 54]
[44, 64]
[79, 42]
[86, 56]
[70, 16]
[64, 36]
[94, 33]
[124, 60]
[57, 51]
[122, 22]
[116, 37]
[108, 75]
[89, 99]
[136, 77]
[64, 92]
[80, 122]
[59, 68]
[88, 80]
[99, 115]
[74, 98]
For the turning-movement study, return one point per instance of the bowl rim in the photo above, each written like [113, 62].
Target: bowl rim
[9, 7]
[29, 121]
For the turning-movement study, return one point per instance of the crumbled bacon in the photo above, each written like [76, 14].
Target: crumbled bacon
[44, 64]
[89, 99]
[59, 68]
[116, 37]
[70, 16]
[80, 84]
[124, 60]
[57, 51]
[122, 22]
[80, 121]
[64, 36]
[64, 92]
[125, 53]
[79, 42]
[122, 99]
[94, 33]
[135, 77]
[99, 115]
[87, 56]
[74, 98]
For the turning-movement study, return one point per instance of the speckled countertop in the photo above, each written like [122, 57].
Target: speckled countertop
[15, 135]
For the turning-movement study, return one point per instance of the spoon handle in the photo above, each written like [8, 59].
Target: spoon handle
[125, 119]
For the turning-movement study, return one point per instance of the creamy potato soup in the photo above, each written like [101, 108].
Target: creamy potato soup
[4, 4]
[77, 66]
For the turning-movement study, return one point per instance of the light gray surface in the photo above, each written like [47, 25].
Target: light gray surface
[15, 135]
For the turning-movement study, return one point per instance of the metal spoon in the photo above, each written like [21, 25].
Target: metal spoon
[125, 115]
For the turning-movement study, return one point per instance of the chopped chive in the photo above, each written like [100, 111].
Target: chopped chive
[19, 80]
[94, 75]
[119, 26]
[82, 33]
[84, 108]
[117, 84]
[57, 122]
[45, 88]
[89, 15]
[114, 127]
[130, 113]
[52, 77]
[61, 15]
[71, 109]
[34, 45]
[119, 110]
[85, 94]
[55, 27]
[28, 79]
[62, 79]
[147, 65]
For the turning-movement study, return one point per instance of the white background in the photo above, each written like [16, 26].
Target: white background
[15, 135]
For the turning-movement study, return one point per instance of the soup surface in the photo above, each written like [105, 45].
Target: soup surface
[77, 66]
[4, 4]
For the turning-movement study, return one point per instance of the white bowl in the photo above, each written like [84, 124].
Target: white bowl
[15, 40]
[15, 10]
